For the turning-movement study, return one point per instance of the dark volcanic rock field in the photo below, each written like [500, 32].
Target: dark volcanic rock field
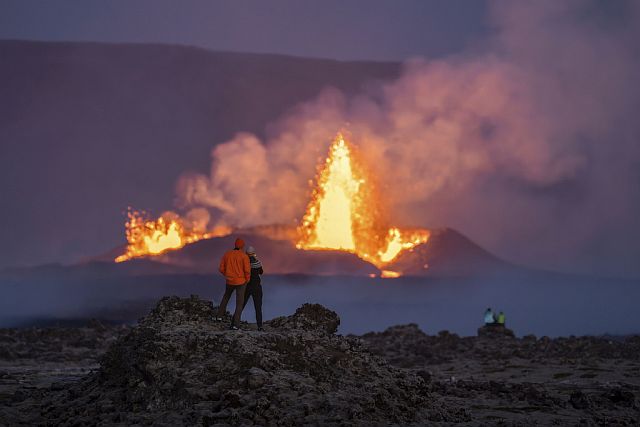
[179, 367]
[523, 381]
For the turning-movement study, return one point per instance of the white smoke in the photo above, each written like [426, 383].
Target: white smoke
[501, 142]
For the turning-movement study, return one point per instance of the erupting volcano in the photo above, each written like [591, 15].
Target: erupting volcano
[345, 213]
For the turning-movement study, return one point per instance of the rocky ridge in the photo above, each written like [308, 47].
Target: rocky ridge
[178, 366]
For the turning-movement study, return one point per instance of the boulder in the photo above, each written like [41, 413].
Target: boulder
[174, 311]
[309, 317]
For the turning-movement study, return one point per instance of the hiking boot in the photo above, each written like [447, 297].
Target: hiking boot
[233, 327]
[217, 319]
[260, 328]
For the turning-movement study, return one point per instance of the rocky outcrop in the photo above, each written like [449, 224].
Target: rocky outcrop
[494, 331]
[309, 317]
[178, 366]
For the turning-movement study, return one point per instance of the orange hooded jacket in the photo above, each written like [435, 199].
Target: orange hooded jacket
[235, 267]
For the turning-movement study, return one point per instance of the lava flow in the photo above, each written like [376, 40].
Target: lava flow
[345, 213]
[152, 237]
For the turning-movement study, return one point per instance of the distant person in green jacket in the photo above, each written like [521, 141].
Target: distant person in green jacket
[501, 318]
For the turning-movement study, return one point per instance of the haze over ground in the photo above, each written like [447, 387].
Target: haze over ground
[519, 129]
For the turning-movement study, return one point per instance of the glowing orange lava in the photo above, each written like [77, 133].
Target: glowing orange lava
[152, 237]
[345, 213]
[388, 274]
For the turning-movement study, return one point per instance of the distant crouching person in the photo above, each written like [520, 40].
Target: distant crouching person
[254, 287]
[489, 317]
[235, 267]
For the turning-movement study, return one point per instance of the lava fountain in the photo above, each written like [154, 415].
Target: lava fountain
[345, 213]
[148, 237]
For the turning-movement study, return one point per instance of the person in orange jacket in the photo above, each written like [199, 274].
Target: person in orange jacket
[236, 269]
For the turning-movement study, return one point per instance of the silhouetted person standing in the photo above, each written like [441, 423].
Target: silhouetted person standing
[254, 287]
[235, 267]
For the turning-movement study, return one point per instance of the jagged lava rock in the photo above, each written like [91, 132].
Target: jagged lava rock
[309, 317]
[179, 367]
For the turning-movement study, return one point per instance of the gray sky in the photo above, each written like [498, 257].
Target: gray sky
[355, 29]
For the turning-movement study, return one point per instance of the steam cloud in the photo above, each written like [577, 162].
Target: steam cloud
[530, 137]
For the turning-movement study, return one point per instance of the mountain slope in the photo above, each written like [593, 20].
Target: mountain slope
[449, 253]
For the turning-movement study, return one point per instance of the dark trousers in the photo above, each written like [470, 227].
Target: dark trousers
[255, 290]
[240, 290]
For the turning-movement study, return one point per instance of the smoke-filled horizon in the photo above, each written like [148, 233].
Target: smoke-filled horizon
[527, 143]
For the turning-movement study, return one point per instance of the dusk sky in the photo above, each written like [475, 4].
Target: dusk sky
[514, 121]
[346, 30]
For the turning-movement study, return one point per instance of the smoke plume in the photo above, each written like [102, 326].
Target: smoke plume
[528, 142]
